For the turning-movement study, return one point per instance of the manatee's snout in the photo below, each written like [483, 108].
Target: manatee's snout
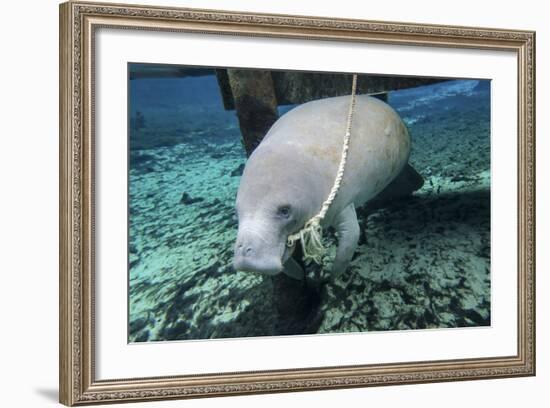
[252, 254]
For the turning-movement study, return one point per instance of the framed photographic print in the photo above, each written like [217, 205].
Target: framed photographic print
[262, 203]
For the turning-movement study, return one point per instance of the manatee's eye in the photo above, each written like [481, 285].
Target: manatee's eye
[284, 211]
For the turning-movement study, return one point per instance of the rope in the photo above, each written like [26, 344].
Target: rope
[311, 236]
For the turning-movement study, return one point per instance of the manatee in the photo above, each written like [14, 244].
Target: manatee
[291, 172]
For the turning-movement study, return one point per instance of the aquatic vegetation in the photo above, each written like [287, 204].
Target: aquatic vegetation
[423, 261]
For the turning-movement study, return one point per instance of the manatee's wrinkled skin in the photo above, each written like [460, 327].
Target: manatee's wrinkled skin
[291, 172]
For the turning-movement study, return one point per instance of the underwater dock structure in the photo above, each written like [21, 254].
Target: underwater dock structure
[255, 94]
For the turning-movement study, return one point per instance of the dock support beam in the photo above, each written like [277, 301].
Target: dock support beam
[255, 104]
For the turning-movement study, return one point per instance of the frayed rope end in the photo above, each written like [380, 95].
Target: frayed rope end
[311, 238]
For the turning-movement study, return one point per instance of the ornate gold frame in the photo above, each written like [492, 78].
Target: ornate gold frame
[78, 21]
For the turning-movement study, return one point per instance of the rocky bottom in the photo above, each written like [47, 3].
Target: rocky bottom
[423, 262]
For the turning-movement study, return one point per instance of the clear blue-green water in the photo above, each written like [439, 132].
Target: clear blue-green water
[424, 261]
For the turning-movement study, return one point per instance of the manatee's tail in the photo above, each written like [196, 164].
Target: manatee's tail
[408, 181]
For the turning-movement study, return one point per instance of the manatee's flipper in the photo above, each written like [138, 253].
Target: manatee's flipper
[407, 182]
[293, 269]
[347, 228]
